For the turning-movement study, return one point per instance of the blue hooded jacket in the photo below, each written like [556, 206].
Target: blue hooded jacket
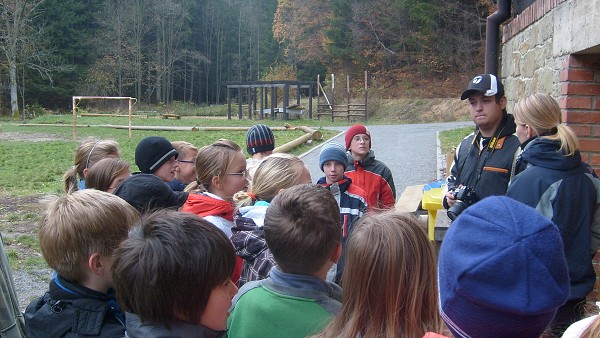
[563, 189]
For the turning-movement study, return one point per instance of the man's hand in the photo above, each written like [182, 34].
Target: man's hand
[450, 199]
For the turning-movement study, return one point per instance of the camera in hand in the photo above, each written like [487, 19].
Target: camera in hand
[465, 197]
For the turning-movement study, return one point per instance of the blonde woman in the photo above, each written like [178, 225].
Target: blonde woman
[274, 174]
[551, 177]
[90, 151]
[390, 287]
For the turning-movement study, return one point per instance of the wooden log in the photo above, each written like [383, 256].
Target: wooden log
[111, 115]
[293, 144]
[316, 135]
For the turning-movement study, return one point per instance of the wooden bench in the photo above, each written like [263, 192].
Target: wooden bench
[171, 116]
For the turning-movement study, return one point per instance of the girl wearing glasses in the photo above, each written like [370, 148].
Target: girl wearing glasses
[221, 172]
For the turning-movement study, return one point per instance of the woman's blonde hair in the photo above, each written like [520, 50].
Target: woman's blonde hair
[593, 330]
[276, 172]
[101, 175]
[213, 160]
[542, 113]
[90, 151]
[389, 280]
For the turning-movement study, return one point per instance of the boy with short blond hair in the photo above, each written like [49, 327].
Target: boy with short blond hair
[78, 234]
[185, 173]
[302, 230]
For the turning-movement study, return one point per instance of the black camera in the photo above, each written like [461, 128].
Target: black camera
[465, 197]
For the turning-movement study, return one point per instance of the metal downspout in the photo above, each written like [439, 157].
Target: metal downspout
[492, 35]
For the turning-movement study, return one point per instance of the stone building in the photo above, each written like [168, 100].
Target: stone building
[553, 46]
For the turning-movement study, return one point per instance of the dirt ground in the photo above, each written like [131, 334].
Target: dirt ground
[19, 218]
[32, 137]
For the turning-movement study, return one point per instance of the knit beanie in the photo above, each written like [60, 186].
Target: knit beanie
[502, 271]
[259, 138]
[355, 130]
[147, 192]
[152, 152]
[333, 151]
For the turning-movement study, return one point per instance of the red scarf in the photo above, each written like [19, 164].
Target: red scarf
[204, 205]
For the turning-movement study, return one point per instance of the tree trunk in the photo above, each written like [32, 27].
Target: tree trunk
[14, 102]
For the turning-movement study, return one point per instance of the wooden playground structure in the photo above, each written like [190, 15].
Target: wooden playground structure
[346, 110]
[251, 93]
[250, 89]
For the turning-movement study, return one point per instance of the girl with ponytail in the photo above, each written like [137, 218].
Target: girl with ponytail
[551, 177]
[274, 174]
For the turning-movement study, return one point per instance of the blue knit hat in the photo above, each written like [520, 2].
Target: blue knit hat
[259, 138]
[502, 271]
[333, 151]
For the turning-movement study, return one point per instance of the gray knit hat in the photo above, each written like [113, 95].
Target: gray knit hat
[333, 151]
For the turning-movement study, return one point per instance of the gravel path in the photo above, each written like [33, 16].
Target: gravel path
[410, 151]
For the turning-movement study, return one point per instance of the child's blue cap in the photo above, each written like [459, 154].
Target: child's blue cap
[333, 151]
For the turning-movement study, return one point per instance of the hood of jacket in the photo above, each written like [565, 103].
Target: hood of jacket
[369, 158]
[545, 153]
[204, 205]
[256, 213]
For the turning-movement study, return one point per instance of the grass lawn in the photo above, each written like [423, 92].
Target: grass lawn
[34, 158]
[34, 161]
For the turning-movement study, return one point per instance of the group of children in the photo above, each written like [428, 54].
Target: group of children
[153, 261]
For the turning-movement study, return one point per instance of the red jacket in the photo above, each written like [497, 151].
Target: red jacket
[375, 178]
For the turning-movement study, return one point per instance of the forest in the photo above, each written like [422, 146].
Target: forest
[161, 51]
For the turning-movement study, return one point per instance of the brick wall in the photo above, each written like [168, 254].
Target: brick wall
[580, 102]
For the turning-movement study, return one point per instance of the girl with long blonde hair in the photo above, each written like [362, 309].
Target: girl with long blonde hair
[390, 281]
[551, 177]
[274, 174]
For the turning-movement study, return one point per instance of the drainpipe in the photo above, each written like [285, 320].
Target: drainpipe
[492, 35]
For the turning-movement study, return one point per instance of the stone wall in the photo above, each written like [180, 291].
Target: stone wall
[553, 47]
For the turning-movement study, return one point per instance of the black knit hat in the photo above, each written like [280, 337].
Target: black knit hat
[147, 192]
[259, 138]
[152, 152]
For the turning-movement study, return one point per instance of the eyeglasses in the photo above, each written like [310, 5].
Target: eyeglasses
[364, 139]
[185, 161]
[243, 173]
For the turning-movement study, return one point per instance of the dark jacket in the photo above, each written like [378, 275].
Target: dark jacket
[176, 185]
[375, 178]
[137, 329]
[352, 207]
[72, 310]
[562, 189]
[486, 171]
[248, 238]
